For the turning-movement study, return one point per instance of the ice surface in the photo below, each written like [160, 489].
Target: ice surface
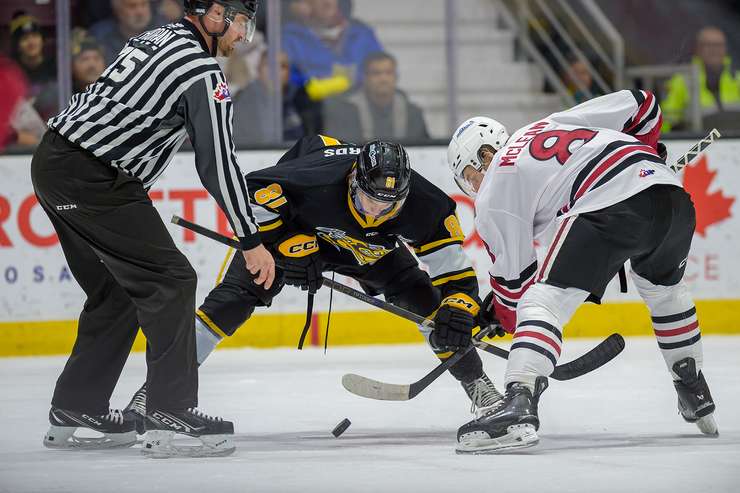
[615, 430]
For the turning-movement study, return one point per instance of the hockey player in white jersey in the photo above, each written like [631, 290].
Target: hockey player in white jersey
[595, 173]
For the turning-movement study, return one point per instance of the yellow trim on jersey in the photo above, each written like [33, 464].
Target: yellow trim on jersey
[270, 226]
[210, 324]
[370, 222]
[456, 277]
[224, 264]
[437, 243]
[444, 356]
[329, 141]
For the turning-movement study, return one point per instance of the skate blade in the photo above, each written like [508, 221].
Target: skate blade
[63, 438]
[517, 437]
[708, 425]
[159, 444]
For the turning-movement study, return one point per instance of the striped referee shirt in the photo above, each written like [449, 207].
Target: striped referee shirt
[163, 87]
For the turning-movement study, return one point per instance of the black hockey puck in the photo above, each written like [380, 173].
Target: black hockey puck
[341, 427]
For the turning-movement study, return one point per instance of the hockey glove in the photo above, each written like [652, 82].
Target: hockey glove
[454, 322]
[662, 151]
[300, 262]
[487, 317]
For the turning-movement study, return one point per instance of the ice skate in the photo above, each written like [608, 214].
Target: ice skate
[509, 425]
[162, 426]
[483, 395]
[695, 402]
[115, 429]
[136, 409]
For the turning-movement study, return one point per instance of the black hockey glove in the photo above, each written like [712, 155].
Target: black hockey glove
[300, 262]
[303, 272]
[453, 328]
[487, 317]
[662, 151]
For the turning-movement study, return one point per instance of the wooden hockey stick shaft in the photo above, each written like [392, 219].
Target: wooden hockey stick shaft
[695, 150]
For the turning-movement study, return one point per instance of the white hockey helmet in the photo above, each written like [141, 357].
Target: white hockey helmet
[475, 135]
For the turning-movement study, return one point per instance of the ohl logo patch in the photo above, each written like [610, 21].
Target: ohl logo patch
[222, 93]
[646, 172]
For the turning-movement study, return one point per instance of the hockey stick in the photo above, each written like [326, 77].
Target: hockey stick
[695, 150]
[375, 389]
[604, 352]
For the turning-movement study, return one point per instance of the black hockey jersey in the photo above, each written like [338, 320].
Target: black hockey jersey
[307, 192]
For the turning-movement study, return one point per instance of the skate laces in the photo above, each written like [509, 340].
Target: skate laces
[138, 402]
[484, 394]
[115, 416]
[203, 415]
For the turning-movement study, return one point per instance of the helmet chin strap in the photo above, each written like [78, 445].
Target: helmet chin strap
[214, 35]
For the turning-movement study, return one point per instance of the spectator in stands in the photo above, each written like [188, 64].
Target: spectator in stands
[27, 47]
[578, 79]
[297, 11]
[329, 50]
[14, 88]
[378, 110]
[88, 61]
[719, 82]
[131, 18]
[253, 115]
[171, 10]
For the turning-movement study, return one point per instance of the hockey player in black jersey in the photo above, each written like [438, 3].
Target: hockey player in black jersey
[329, 206]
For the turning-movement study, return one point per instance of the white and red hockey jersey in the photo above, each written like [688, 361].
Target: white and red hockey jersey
[579, 160]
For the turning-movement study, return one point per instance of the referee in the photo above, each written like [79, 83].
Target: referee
[91, 174]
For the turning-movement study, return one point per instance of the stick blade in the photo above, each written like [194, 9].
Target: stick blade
[373, 389]
[606, 351]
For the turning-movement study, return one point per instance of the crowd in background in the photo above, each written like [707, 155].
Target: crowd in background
[335, 74]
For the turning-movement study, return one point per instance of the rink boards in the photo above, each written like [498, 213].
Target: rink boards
[40, 300]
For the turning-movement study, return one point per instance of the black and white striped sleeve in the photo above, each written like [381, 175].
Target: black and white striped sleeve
[209, 117]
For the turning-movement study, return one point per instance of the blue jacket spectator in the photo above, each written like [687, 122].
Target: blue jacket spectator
[329, 51]
[131, 18]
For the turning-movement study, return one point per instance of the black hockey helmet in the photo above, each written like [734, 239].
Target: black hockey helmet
[383, 174]
[200, 7]
[232, 8]
[384, 171]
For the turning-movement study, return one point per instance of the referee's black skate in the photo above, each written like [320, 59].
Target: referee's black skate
[511, 424]
[136, 409]
[483, 395]
[695, 402]
[214, 434]
[115, 429]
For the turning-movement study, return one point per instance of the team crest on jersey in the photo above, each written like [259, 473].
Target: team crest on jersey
[222, 93]
[646, 172]
[365, 253]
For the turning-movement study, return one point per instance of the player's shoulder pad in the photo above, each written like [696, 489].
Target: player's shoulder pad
[426, 200]
[329, 147]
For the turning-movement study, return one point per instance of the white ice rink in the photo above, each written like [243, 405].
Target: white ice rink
[615, 430]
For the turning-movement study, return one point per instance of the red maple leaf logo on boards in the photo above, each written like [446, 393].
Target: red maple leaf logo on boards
[711, 208]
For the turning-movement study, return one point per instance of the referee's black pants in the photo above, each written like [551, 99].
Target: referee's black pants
[124, 259]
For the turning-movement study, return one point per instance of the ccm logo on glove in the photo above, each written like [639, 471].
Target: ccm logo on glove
[462, 302]
[299, 246]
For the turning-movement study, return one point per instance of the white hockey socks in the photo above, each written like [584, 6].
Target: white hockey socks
[205, 340]
[541, 315]
[674, 321]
